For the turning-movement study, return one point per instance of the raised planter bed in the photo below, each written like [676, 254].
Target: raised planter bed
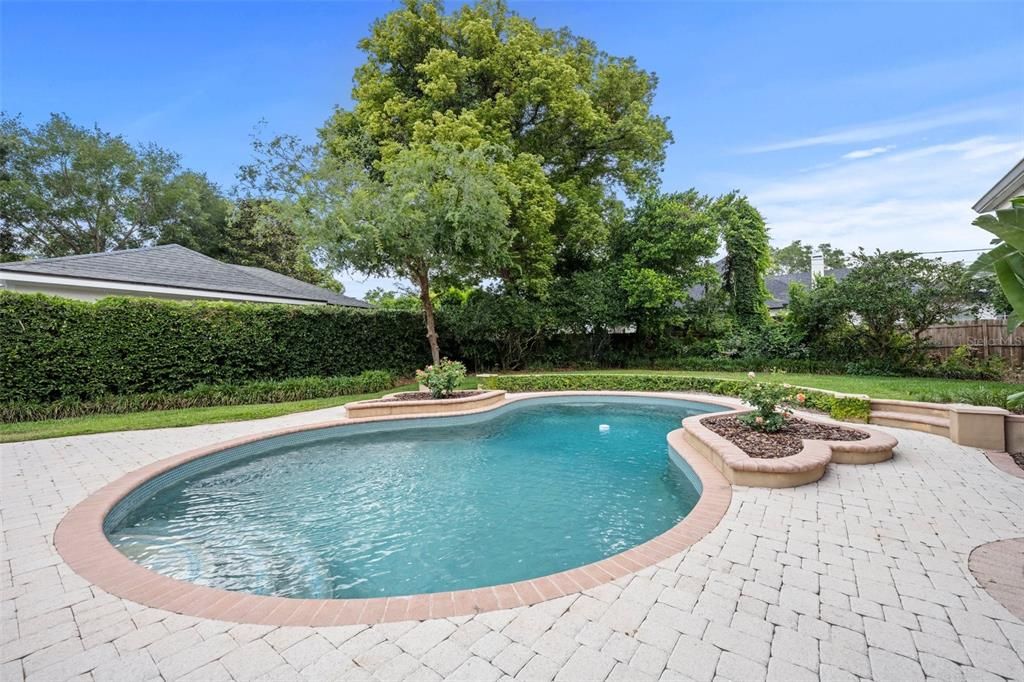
[805, 466]
[388, 406]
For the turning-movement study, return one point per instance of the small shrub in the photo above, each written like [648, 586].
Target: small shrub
[442, 379]
[772, 403]
[849, 409]
[964, 363]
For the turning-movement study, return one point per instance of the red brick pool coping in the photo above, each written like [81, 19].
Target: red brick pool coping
[81, 542]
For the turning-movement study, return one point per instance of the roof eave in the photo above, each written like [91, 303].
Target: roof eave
[1005, 189]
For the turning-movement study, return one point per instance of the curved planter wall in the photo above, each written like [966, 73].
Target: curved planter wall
[804, 467]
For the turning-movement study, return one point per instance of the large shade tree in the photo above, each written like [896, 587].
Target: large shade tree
[575, 121]
[897, 295]
[67, 190]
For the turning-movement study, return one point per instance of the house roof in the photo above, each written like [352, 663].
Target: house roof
[176, 266]
[777, 285]
[1009, 186]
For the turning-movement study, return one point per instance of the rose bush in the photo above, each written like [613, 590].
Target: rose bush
[772, 403]
[443, 378]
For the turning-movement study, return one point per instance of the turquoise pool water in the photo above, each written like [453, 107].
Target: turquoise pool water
[417, 506]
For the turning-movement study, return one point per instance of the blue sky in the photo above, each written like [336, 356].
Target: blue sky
[859, 124]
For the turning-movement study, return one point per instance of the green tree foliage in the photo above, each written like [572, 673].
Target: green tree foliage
[1006, 262]
[70, 190]
[819, 318]
[575, 121]
[796, 257]
[392, 300]
[436, 212]
[748, 257]
[660, 252]
[896, 295]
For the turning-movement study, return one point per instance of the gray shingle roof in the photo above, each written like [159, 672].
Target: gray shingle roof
[176, 266]
[778, 285]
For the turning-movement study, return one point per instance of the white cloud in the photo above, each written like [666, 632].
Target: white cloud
[357, 284]
[919, 199]
[881, 130]
[867, 153]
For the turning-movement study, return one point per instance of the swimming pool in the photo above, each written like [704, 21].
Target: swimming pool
[417, 505]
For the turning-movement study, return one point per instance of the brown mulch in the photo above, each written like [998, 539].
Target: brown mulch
[425, 395]
[783, 443]
[1018, 459]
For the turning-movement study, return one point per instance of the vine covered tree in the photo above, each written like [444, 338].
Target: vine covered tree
[748, 257]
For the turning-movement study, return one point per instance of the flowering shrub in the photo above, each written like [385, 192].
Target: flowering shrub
[442, 379]
[772, 403]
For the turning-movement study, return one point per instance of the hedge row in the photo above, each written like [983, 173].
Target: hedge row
[58, 349]
[845, 408]
[250, 393]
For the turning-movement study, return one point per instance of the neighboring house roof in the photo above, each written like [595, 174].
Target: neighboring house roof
[1011, 185]
[778, 286]
[172, 265]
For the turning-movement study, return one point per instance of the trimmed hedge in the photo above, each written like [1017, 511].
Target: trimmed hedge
[848, 409]
[251, 393]
[58, 349]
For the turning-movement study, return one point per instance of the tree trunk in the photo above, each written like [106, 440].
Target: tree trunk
[428, 313]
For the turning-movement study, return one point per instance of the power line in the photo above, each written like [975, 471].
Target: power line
[926, 253]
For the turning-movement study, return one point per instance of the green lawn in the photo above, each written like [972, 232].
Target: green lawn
[906, 388]
[134, 421]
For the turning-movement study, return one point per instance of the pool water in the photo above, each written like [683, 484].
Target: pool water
[404, 508]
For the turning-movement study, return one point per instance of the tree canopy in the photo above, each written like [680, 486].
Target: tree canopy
[435, 212]
[67, 189]
[70, 190]
[796, 257]
[748, 257]
[576, 123]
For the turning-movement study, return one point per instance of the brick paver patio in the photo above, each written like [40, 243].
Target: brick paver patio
[861, 575]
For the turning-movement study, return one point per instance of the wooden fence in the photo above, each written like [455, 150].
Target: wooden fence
[988, 338]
